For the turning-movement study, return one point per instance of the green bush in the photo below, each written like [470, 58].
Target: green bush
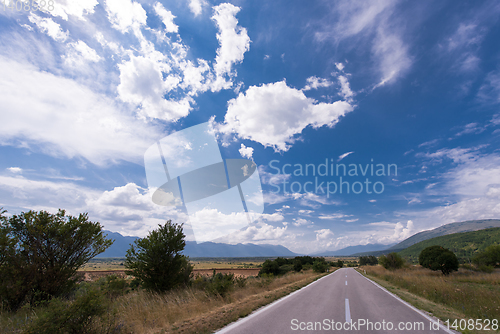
[297, 265]
[438, 258]
[270, 267]
[319, 266]
[76, 317]
[157, 259]
[368, 260]
[489, 257]
[391, 261]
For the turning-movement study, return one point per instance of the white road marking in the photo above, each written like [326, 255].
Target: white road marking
[345, 282]
[235, 324]
[347, 311]
[442, 326]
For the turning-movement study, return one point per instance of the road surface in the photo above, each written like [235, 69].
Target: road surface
[344, 301]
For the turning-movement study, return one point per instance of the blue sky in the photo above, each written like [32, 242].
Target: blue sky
[86, 88]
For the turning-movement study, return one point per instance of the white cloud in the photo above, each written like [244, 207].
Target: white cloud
[273, 114]
[39, 116]
[196, 6]
[125, 15]
[48, 26]
[375, 21]
[342, 156]
[339, 66]
[233, 43]
[315, 83]
[167, 17]
[301, 221]
[324, 234]
[246, 152]
[385, 233]
[127, 209]
[345, 89]
[79, 53]
[15, 170]
[78, 9]
[141, 83]
[333, 216]
[258, 233]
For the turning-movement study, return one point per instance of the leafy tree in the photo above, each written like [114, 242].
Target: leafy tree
[157, 260]
[489, 257]
[368, 260]
[391, 261]
[438, 258]
[41, 253]
[339, 264]
[320, 266]
[297, 265]
[269, 267]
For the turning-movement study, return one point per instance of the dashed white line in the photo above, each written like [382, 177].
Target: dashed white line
[345, 282]
[347, 311]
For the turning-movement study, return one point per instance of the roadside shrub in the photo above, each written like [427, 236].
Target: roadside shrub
[319, 266]
[486, 269]
[297, 265]
[438, 258]
[78, 316]
[391, 261]
[220, 284]
[269, 267]
[489, 257]
[368, 260]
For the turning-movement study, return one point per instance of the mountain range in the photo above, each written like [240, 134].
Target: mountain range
[211, 249]
[205, 249]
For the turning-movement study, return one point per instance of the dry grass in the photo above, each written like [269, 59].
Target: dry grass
[475, 295]
[194, 311]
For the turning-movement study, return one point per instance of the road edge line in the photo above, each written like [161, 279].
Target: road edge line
[442, 326]
[238, 322]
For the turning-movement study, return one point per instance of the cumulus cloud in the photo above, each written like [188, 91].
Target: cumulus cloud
[315, 83]
[79, 53]
[166, 17]
[78, 9]
[196, 6]
[125, 15]
[141, 83]
[48, 26]
[274, 113]
[95, 129]
[233, 42]
[246, 152]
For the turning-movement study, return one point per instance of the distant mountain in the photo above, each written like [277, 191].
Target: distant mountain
[211, 249]
[206, 249]
[465, 244]
[466, 226]
[348, 251]
[119, 247]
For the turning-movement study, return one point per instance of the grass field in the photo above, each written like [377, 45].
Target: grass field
[100, 264]
[184, 310]
[461, 295]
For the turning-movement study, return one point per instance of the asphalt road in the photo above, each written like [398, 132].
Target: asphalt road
[344, 301]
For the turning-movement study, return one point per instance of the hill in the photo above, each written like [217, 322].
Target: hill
[206, 249]
[349, 251]
[466, 226]
[464, 244]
